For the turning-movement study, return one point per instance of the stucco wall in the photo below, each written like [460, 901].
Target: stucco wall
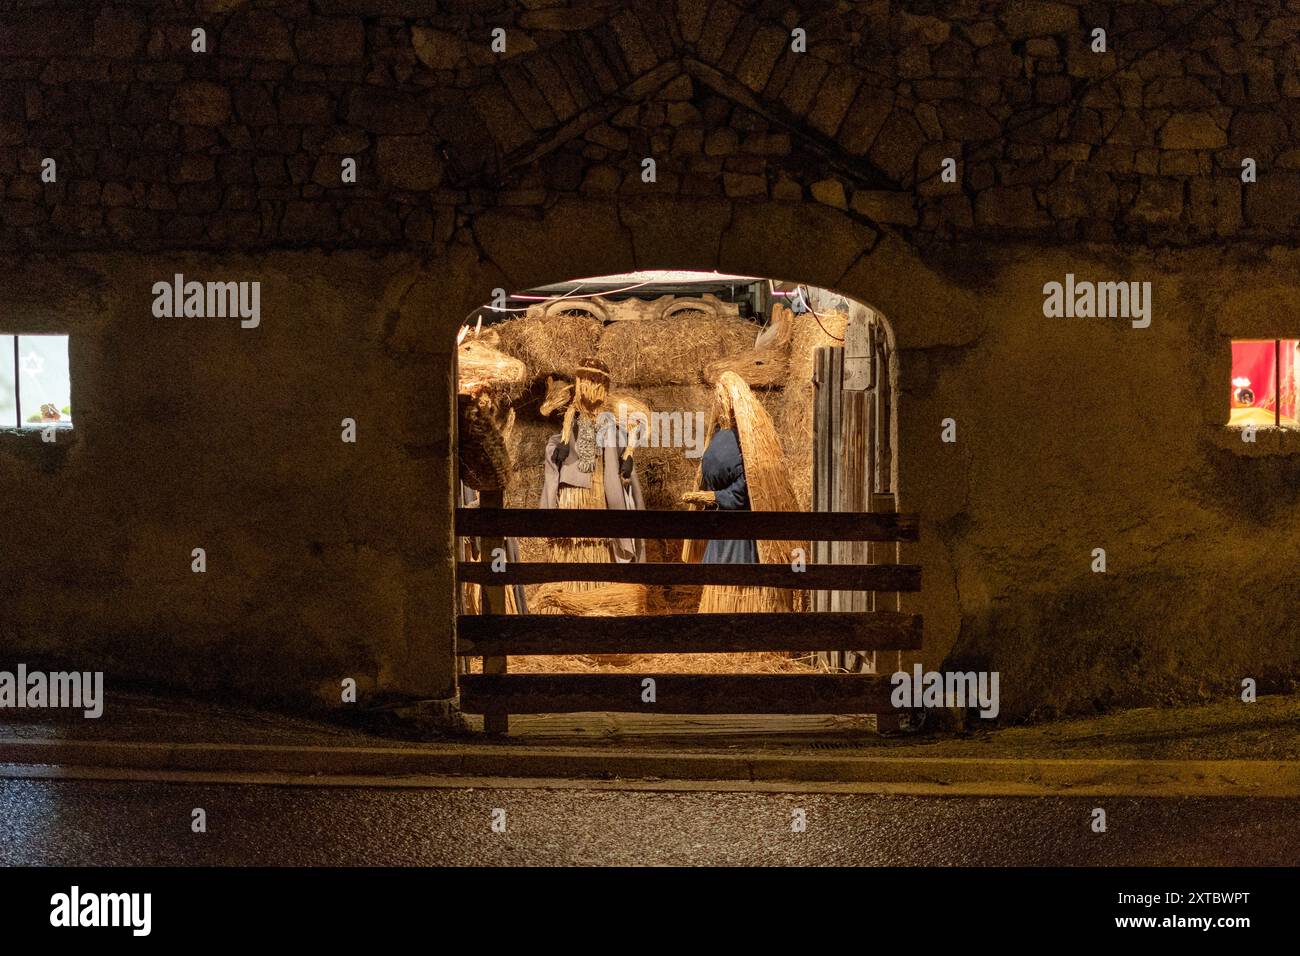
[476, 171]
[195, 433]
[329, 560]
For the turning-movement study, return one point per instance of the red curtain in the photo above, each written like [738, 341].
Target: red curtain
[1256, 361]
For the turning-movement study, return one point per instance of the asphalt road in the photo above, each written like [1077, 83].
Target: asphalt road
[114, 823]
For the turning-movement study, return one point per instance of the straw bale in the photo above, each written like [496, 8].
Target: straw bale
[550, 346]
[671, 351]
[756, 662]
[603, 600]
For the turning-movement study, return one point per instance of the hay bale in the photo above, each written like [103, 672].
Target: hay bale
[671, 351]
[681, 415]
[550, 346]
[605, 600]
[675, 598]
[754, 662]
[527, 448]
[665, 475]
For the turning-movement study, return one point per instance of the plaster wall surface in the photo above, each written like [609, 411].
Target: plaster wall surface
[328, 560]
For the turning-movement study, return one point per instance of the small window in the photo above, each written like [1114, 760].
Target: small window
[1265, 376]
[35, 386]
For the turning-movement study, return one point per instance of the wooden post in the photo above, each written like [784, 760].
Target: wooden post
[853, 463]
[884, 500]
[884, 414]
[1277, 383]
[493, 602]
[826, 396]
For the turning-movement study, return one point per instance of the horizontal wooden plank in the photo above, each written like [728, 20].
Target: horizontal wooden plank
[742, 525]
[676, 730]
[675, 693]
[480, 635]
[839, 577]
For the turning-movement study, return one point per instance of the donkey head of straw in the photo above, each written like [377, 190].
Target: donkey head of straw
[559, 392]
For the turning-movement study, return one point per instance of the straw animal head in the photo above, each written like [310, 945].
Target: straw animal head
[559, 393]
[768, 362]
[481, 364]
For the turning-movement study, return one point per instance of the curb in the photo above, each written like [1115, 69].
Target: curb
[455, 765]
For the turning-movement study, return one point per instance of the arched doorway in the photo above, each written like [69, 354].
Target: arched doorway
[822, 372]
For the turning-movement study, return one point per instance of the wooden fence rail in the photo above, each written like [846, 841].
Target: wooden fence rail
[527, 634]
[840, 577]
[741, 525]
[495, 635]
[503, 694]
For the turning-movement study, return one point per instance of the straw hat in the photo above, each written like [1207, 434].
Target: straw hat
[593, 368]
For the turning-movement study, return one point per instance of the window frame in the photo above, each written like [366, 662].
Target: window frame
[1277, 378]
[18, 424]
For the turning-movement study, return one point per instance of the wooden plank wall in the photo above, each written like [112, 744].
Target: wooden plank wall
[853, 461]
[853, 464]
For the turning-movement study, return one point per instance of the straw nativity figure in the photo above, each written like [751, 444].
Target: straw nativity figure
[742, 469]
[590, 466]
[487, 379]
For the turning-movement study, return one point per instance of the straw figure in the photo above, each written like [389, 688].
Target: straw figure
[742, 469]
[588, 466]
[631, 413]
[487, 382]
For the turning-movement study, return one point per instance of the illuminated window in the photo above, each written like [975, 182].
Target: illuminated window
[35, 386]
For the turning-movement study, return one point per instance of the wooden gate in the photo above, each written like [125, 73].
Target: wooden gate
[494, 635]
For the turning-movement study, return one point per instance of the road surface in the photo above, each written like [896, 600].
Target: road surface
[130, 823]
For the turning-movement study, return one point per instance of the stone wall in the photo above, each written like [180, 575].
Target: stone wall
[477, 170]
[241, 146]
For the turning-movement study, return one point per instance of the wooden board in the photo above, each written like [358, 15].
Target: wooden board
[884, 455]
[858, 359]
[844, 577]
[494, 602]
[675, 693]
[734, 525]
[854, 462]
[600, 728]
[826, 391]
[684, 633]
